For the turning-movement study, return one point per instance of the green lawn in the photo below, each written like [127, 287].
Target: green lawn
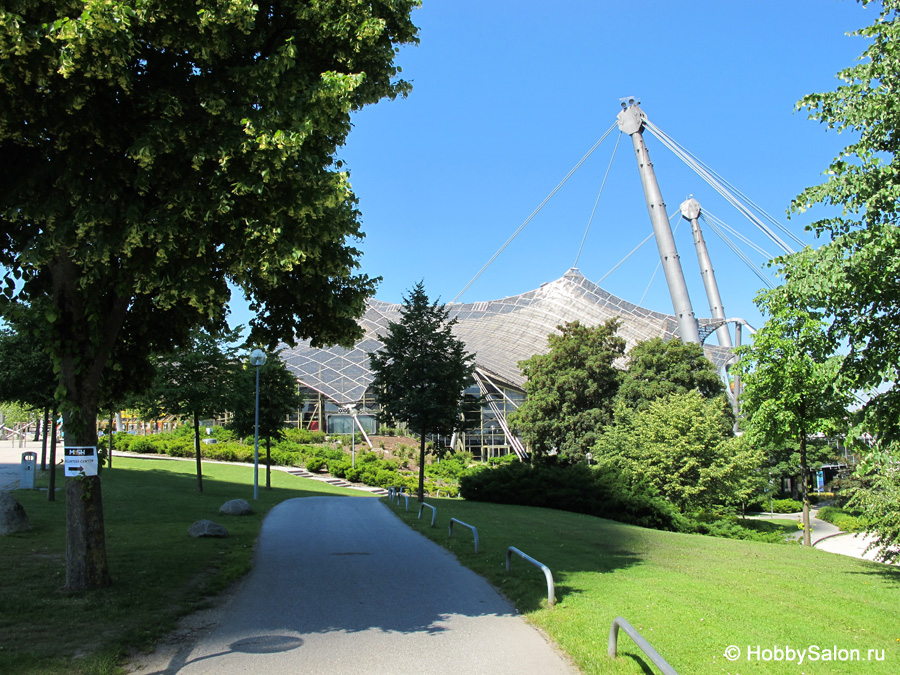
[690, 596]
[159, 572]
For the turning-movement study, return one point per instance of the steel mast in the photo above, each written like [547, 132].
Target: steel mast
[690, 210]
[631, 121]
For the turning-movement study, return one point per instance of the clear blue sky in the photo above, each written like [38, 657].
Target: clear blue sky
[509, 94]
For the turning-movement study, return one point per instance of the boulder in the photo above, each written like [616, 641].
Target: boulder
[12, 515]
[207, 528]
[236, 507]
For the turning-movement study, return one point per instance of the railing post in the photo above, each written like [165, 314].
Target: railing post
[474, 531]
[640, 641]
[433, 512]
[548, 575]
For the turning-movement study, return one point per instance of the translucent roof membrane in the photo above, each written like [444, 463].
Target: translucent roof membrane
[499, 332]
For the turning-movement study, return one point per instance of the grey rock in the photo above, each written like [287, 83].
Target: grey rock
[236, 507]
[207, 528]
[12, 515]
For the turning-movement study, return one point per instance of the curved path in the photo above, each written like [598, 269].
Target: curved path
[340, 585]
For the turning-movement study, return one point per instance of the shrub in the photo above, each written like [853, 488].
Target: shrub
[575, 488]
[844, 520]
[315, 464]
[786, 506]
[338, 467]
[303, 436]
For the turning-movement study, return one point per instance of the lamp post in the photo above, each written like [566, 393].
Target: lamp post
[353, 413]
[257, 358]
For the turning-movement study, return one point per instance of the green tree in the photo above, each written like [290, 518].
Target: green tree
[658, 368]
[570, 389]
[853, 278]
[279, 396]
[194, 380]
[422, 371]
[154, 151]
[681, 447]
[789, 375]
[26, 376]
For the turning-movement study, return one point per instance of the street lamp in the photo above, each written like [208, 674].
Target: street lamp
[353, 413]
[257, 358]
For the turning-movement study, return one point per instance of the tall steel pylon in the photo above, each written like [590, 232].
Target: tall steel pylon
[690, 210]
[631, 122]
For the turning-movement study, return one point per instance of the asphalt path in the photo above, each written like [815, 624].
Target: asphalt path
[340, 585]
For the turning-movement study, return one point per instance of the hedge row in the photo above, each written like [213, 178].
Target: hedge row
[569, 488]
[369, 470]
[844, 520]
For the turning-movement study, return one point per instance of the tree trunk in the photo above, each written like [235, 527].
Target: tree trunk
[51, 488]
[46, 432]
[197, 451]
[804, 490]
[268, 462]
[422, 469]
[86, 564]
[112, 417]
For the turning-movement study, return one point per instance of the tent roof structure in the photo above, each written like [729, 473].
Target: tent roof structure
[499, 332]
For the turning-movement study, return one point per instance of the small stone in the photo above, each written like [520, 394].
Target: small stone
[236, 507]
[12, 515]
[207, 528]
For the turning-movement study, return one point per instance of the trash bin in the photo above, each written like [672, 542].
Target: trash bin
[29, 466]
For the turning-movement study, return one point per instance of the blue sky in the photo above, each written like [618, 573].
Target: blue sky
[509, 95]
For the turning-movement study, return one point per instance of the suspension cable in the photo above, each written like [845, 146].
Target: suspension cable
[633, 251]
[737, 251]
[535, 212]
[591, 219]
[726, 189]
[704, 214]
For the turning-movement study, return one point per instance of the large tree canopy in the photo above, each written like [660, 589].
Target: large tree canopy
[658, 368]
[789, 375]
[153, 151]
[571, 389]
[855, 278]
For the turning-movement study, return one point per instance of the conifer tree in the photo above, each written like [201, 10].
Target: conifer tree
[422, 372]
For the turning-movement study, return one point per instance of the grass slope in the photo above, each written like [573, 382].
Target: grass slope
[690, 596]
[159, 572]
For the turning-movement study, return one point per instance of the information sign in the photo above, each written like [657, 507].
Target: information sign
[81, 461]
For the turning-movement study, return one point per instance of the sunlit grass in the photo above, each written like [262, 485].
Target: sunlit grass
[159, 572]
[691, 596]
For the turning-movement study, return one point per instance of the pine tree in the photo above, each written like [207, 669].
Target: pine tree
[422, 371]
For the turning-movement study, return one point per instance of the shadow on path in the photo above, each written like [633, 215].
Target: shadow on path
[341, 586]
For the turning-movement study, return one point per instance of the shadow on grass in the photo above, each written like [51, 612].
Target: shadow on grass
[568, 546]
[889, 573]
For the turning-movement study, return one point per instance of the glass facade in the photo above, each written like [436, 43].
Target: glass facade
[500, 333]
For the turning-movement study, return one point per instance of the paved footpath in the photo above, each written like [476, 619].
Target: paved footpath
[341, 586]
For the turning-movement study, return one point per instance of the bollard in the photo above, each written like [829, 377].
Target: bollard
[29, 465]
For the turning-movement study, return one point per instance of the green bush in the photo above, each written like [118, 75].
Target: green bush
[575, 488]
[304, 436]
[844, 520]
[730, 528]
[786, 506]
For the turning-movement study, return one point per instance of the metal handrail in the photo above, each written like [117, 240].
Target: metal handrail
[474, 531]
[405, 496]
[551, 587]
[433, 512]
[639, 640]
